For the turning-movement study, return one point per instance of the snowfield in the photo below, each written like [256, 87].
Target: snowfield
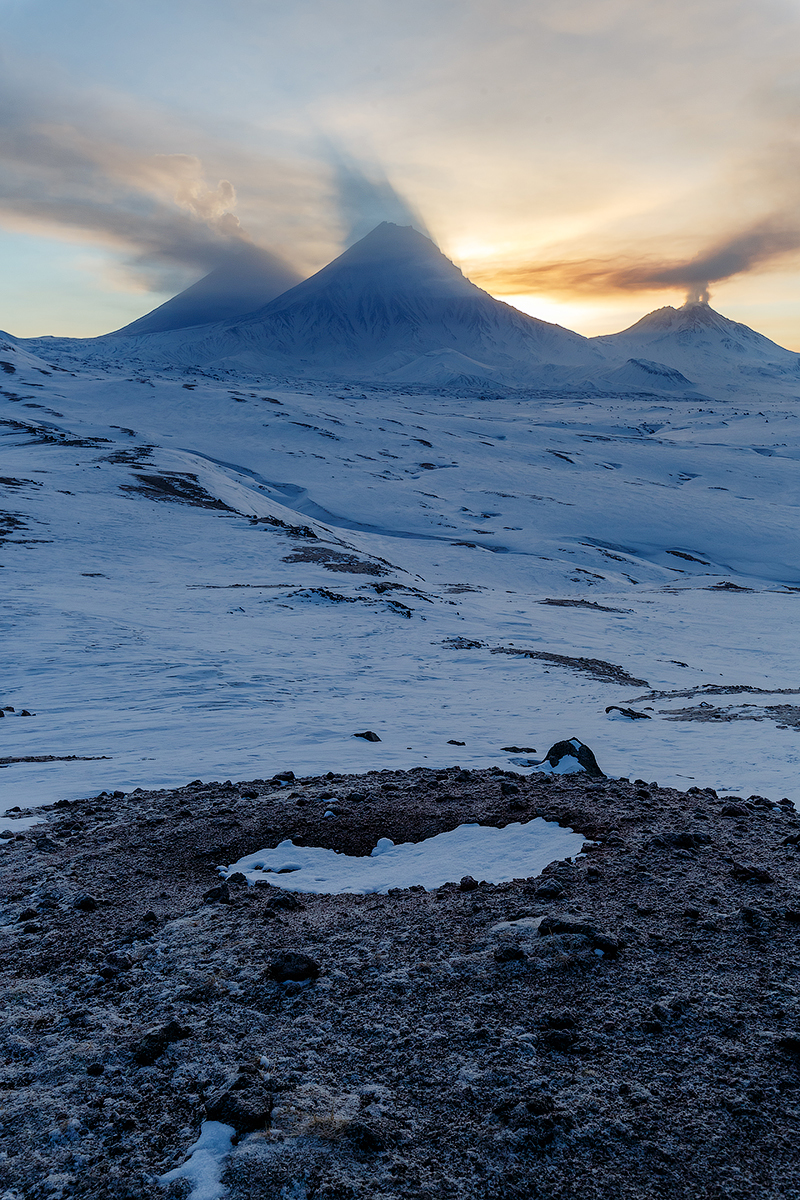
[226, 575]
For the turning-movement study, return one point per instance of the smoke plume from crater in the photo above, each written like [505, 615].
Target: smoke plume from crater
[747, 250]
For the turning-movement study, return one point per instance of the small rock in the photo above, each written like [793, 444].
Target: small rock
[688, 841]
[749, 873]
[155, 1041]
[364, 1138]
[245, 1104]
[453, 742]
[249, 795]
[575, 749]
[468, 884]
[609, 945]
[558, 1039]
[629, 712]
[86, 904]
[368, 736]
[560, 1020]
[150, 918]
[120, 961]
[292, 965]
[285, 900]
[95, 1068]
[238, 877]
[509, 789]
[505, 954]
[790, 1044]
[519, 749]
[217, 895]
[28, 914]
[550, 891]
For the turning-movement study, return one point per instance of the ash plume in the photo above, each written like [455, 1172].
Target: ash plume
[745, 251]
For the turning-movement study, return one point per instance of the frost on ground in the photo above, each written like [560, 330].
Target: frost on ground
[495, 855]
[208, 573]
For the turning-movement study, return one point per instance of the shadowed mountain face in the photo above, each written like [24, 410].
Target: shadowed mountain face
[248, 280]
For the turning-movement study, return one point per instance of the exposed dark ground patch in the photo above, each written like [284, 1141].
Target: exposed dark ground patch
[787, 715]
[44, 758]
[335, 560]
[177, 488]
[130, 455]
[11, 523]
[716, 689]
[9, 482]
[434, 1055]
[596, 667]
[584, 604]
[44, 435]
[320, 593]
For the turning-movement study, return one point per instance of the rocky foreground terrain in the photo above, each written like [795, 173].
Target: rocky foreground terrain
[627, 1025]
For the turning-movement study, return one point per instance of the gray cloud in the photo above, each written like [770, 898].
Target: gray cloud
[750, 249]
[158, 212]
[103, 175]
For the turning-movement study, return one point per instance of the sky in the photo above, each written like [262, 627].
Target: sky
[585, 160]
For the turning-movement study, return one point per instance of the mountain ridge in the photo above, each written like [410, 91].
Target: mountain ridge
[392, 307]
[384, 303]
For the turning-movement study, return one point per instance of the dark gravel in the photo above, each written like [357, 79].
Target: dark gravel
[627, 1026]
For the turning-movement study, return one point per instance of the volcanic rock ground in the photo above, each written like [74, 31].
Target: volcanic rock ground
[641, 1039]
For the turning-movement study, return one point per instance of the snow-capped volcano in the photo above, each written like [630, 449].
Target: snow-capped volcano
[384, 305]
[699, 342]
[246, 281]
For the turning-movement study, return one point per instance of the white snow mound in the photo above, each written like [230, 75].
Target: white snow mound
[203, 1168]
[518, 851]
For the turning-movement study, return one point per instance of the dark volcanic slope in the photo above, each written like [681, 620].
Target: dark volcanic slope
[641, 1039]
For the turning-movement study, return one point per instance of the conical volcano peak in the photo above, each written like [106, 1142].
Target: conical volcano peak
[696, 338]
[397, 244]
[693, 317]
[390, 261]
[388, 235]
[247, 279]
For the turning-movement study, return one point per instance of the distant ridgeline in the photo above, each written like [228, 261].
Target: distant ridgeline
[394, 308]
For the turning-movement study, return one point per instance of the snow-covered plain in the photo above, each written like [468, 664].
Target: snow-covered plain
[220, 576]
